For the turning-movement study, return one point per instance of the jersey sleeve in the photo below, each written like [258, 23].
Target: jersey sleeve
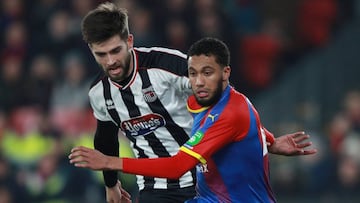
[227, 129]
[168, 167]
[97, 103]
[269, 136]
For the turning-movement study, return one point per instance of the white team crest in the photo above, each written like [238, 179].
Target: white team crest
[149, 94]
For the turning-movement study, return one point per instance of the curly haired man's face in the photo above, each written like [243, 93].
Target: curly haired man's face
[208, 79]
[114, 57]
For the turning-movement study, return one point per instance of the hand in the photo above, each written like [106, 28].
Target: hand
[84, 157]
[117, 194]
[292, 145]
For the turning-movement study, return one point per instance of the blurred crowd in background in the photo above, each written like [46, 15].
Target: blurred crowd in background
[46, 70]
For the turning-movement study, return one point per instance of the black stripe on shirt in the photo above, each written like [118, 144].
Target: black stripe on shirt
[153, 141]
[177, 132]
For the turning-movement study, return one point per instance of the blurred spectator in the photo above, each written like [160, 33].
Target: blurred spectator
[69, 101]
[5, 195]
[71, 89]
[211, 21]
[40, 82]
[143, 29]
[348, 177]
[41, 13]
[352, 109]
[174, 21]
[15, 44]
[244, 15]
[177, 34]
[12, 189]
[260, 54]
[338, 129]
[59, 36]
[50, 181]
[315, 22]
[11, 84]
[22, 143]
[78, 9]
[11, 11]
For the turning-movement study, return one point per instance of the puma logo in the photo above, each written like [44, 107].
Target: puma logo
[212, 117]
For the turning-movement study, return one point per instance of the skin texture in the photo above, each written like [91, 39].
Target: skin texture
[207, 78]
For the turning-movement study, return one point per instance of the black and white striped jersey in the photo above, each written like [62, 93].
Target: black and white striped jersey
[150, 108]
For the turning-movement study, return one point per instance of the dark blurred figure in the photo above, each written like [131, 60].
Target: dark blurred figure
[15, 41]
[40, 82]
[142, 25]
[259, 57]
[12, 190]
[69, 99]
[11, 11]
[315, 23]
[11, 84]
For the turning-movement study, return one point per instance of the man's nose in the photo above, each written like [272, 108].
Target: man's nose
[199, 81]
[110, 60]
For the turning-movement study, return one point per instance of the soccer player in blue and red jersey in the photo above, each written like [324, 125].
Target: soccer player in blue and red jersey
[228, 142]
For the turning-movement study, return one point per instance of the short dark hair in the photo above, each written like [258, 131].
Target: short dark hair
[211, 47]
[104, 22]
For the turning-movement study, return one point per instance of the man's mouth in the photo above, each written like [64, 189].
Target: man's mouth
[115, 70]
[202, 94]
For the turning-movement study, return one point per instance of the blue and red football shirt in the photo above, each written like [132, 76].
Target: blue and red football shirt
[229, 142]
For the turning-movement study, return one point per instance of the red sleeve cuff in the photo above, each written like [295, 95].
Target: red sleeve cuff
[269, 137]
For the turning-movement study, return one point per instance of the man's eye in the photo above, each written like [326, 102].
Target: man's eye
[115, 51]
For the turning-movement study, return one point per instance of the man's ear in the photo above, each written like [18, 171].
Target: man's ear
[130, 41]
[226, 73]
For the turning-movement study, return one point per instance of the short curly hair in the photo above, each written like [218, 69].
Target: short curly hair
[211, 47]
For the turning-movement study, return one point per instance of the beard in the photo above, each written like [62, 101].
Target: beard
[124, 65]
[214, 99]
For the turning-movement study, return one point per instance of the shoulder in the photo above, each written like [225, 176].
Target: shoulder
[238, 107]
[96, 87]
[170, 60]
[97, 79]
[160, 51]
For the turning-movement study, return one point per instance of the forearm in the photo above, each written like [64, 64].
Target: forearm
[170, 167]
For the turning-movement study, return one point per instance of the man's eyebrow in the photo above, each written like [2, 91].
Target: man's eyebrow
[113, 49]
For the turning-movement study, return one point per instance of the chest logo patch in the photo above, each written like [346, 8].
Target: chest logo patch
[142, 125]
[149, 94]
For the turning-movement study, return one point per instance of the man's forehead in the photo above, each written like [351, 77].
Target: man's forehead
[201, 60]
[107, 45]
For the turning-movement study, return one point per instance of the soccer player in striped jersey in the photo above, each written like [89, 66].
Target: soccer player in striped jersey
[228, 143]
